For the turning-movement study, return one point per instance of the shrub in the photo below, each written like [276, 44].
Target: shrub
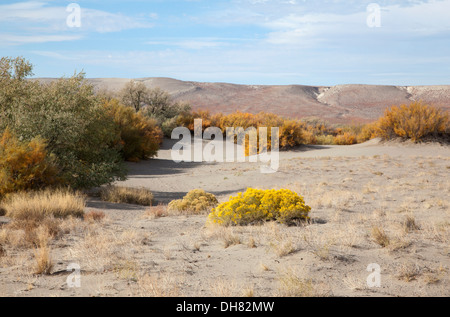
[415, 121]
[368, 131]
[68, 116]
[37, 206]
[139, 136]
[291, 134]
[257, 205]
[347, 138]
[196, 201]
[127, 195]
[24, 165]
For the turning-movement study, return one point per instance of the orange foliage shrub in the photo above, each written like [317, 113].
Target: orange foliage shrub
[24, 165]
[415, 121]
[138, 135]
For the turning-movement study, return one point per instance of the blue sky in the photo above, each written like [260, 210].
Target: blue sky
[306, 42]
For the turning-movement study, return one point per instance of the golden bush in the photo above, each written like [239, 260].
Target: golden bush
[196, 201]
[415, 121]
[24, 165]
[138, 135]
[256, 205]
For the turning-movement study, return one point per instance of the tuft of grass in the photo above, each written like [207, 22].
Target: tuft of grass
[44, 263]
[291, 285]
[409, 224]
[156, 212]
[380, 236]
[127, 195]
[36, 206]
[408, 272]
[94, 216]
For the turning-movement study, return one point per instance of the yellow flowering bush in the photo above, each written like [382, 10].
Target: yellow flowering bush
[256, 205]
[196, 201]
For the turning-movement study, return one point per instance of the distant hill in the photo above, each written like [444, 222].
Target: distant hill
[339, 104]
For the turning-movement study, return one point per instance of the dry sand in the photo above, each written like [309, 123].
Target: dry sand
[351, 189]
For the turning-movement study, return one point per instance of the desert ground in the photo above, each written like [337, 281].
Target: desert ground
[373, 203]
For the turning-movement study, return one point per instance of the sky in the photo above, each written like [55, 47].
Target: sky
[255, 42]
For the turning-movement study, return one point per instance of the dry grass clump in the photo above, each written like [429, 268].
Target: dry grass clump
[127, 195]
[293, 285]
[380, 237]
[94, 216]
[155, 212]
[36, 206]
[197, 201]
[43, 260]
[408, 272]
[164, 285]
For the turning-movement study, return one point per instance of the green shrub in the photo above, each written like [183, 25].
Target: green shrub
[68, 116]
[196, 201]
[255, 206]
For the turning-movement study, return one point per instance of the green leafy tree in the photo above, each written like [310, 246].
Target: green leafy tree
[68, 116]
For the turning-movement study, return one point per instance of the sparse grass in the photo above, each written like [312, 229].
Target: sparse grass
[408, 272]
[164, 285]
[36, 206]
[409, 224]
[94, 216]
[225, 234]
[127, 195]
[156, 212]
[223, 288]
[292, 285]
[44, 263]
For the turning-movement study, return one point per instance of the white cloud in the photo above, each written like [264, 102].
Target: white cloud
[48, 22]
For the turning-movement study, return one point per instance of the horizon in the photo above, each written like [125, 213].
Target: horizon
[244, 42]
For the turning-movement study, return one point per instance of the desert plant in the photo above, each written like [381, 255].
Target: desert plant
[127, 195]
[24, 165]
[196, 201]
[380, 237]
[257, 205]
[37, 206]
[346, 138]
[139, 136]
[68, 116]
[134, 94]
[415, 121]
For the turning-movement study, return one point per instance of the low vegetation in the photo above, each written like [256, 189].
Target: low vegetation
[127, 195]
[37, 206]
[416, 122]
[196, 201]
[257, 206]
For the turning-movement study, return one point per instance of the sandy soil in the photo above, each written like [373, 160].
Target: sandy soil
[351, 189]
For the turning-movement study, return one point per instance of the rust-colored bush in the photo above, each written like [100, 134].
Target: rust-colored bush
[24, 165]
[139, 135]
[415, 121]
